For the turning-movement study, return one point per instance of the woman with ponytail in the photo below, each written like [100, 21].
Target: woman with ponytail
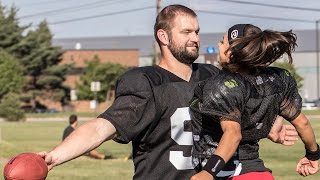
[235, 109]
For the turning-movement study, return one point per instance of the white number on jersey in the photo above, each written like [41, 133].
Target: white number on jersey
[182, 138]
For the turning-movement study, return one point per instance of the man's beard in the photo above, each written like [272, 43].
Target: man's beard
[182, 54]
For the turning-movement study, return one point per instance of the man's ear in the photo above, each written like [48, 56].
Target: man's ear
[163, 36]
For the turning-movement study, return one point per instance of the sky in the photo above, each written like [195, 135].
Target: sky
[101, 18]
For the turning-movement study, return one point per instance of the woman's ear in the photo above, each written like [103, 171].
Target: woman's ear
[163, 36]
[228, 56]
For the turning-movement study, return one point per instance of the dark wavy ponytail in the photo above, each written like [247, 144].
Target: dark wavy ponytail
[258, 49]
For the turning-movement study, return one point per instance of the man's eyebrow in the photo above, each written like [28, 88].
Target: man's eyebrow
[190, 29]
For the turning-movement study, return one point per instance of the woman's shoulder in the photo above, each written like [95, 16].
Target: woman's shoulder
[228, 80]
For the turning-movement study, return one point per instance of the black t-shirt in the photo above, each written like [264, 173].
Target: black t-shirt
[151, 109]
[254, 101]
[67, 131]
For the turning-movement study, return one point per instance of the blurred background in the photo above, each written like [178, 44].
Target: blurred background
[60, 57]
[69, 53]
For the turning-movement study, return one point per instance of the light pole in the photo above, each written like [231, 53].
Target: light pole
[156, 46]
[317, 55]
[95, 86]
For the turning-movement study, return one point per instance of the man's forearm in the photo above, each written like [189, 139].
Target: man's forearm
[87, 137]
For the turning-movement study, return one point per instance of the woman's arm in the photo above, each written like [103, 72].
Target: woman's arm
[228, 145]
[309, 164]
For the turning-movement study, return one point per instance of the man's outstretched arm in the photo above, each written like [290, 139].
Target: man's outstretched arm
[87, 137]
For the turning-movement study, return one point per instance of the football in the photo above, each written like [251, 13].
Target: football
[25, 166]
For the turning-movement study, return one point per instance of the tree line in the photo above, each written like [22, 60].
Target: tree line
[30, 69]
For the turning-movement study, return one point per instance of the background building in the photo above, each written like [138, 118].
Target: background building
[79, 57]
[305, 59]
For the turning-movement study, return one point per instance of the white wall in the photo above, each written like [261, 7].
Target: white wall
[306, 64]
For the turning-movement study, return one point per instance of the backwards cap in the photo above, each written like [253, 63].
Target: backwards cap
[236, 31]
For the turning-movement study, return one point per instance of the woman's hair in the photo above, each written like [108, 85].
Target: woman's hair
[252, 48]
[167, 15]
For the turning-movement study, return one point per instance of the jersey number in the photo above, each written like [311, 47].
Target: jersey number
[182, 137]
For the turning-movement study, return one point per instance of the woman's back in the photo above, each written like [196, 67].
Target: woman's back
[275, 93]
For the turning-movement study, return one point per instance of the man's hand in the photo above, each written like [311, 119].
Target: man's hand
[283, 134]
[286, 136]
[47, 158]
[203, 175]
[306, 167]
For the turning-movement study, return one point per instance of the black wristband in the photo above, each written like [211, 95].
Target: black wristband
[214, 165]
[313, 155]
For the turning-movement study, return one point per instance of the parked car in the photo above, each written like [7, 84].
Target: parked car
[29, 109]
[317, 102]
[43, 110]
[309, 105]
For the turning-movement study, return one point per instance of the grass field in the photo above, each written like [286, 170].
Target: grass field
[38, 136]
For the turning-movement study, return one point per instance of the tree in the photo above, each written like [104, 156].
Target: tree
[11, 82]
[10, 31]
[40, 60]
[9, 110]
[106, 73]
[290, 67]
[36, 54]
[11, 74]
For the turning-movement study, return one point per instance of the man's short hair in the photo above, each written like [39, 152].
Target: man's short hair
[167, 15]
[72, 118]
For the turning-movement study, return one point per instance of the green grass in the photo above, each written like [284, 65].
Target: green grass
[282, 160]
[62, 114]
[312, 112]
[39, 136]
[42, 136]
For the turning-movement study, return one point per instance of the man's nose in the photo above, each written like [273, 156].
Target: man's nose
[195, 37]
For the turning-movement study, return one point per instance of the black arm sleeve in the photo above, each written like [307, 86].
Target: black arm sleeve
[133, 109]
[291, 105]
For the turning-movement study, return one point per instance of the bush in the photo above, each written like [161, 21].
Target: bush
[10, 108]
[11, 74]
